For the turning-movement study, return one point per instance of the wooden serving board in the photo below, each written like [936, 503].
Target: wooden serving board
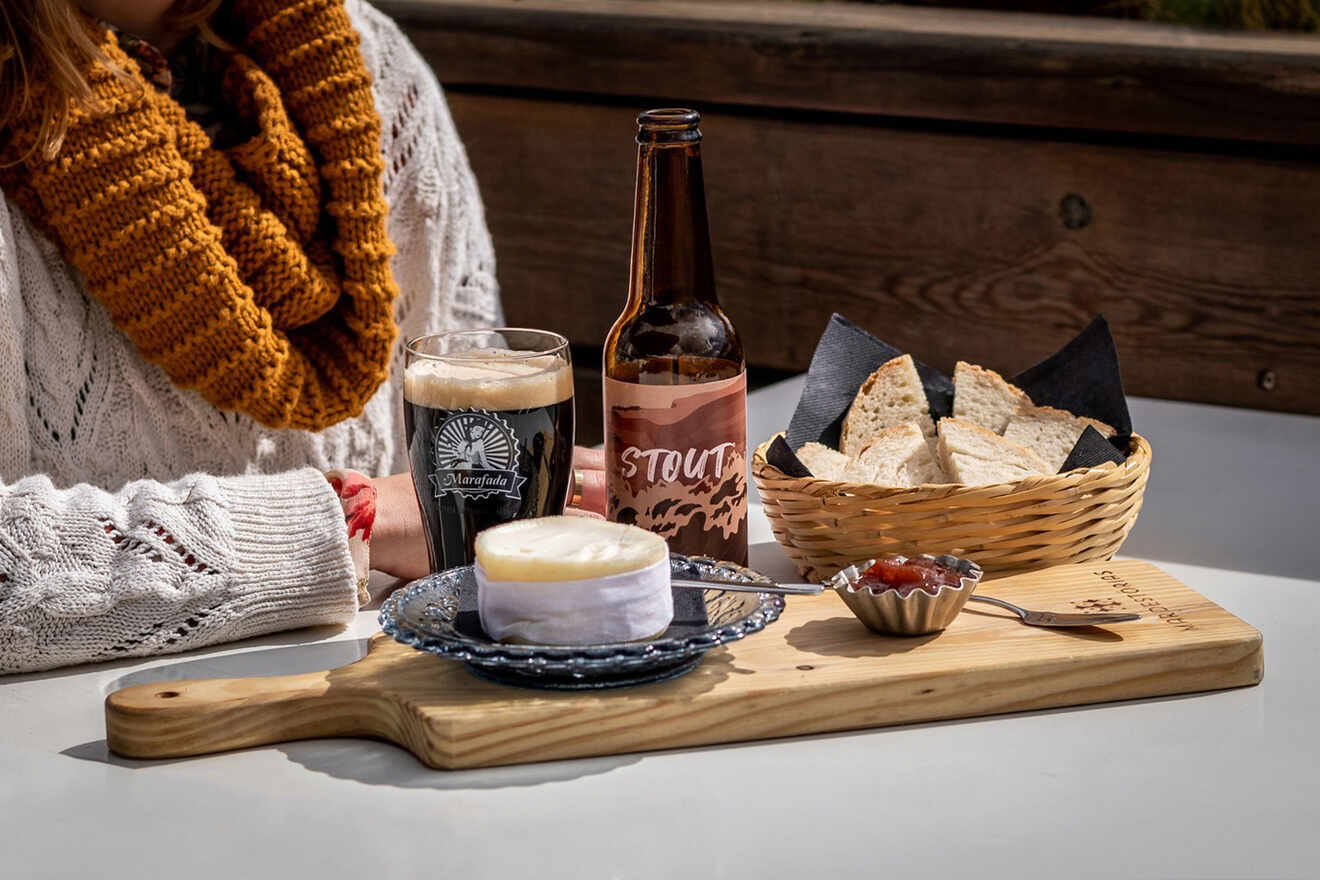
[816, 669]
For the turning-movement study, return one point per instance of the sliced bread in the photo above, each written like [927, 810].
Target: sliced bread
[984, 397]
[899, 456]
[823, 462]
[890, 396]
[974, 456]
[1051, 433]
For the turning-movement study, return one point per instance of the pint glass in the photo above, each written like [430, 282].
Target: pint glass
[488, 417]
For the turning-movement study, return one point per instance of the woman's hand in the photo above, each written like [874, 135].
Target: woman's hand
[398, 544]
[591, 462]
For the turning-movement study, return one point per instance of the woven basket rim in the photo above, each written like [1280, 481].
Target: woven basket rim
[1138, 460]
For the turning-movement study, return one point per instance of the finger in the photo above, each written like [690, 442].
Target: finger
[588, 459]
[593, 491]
[577, 511]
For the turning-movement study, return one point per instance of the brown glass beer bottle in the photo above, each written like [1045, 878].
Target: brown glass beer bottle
[675, 376]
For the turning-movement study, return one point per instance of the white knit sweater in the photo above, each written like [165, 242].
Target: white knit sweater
[135, 518]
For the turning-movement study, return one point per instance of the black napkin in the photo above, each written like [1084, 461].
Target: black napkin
[844, 357]
[689, 607]
[780, 454]
[1082, 377]
[1092, 450]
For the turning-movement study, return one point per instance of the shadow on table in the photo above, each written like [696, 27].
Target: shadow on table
[299, 641]
[290, 660]
[379, 763]
[845, 636]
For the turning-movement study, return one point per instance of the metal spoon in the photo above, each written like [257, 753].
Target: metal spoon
[1031, 618]
[1050, 618]
[745, 587]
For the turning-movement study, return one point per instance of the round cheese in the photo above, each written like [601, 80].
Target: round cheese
[568, 580]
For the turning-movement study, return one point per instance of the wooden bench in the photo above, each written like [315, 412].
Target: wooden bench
[966, 185]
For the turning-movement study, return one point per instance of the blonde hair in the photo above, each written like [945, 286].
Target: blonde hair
[44, 47]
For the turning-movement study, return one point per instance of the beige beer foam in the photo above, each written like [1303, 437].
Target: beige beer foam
[497, 380]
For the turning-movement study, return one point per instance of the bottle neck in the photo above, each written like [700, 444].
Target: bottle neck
[671, 261]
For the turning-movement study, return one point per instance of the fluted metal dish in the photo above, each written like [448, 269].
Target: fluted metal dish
[438, 614]
[917, 613]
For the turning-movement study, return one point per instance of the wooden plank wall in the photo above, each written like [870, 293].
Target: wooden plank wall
[965, 185]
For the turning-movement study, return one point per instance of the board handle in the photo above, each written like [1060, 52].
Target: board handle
[172, 719]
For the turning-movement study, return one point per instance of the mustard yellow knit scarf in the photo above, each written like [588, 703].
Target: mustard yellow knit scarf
[259, 274]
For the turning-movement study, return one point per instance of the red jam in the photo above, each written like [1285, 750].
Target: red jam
[906, 575]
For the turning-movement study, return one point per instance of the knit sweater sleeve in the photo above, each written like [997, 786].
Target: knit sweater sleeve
[154, 568]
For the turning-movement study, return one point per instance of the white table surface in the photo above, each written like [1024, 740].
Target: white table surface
[1214, 785]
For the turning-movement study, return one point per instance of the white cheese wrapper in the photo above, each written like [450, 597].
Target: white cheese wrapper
[614, 608]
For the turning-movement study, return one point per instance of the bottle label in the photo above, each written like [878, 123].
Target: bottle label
[676, 463]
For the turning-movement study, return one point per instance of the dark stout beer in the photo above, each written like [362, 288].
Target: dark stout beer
[675, 383]
[490, 439]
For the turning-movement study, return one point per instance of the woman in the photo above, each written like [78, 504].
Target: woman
[208, 263]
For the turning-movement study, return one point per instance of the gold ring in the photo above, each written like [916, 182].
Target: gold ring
[579, 480]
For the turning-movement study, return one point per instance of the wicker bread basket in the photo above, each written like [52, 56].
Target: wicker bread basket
[1037, 522]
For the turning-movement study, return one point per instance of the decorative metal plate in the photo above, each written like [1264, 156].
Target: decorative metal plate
[439, 614]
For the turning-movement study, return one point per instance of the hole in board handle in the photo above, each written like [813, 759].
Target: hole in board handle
[165, 695]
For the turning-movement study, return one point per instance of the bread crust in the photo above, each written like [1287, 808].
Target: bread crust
[854, 432]
[1032, 411]
[1010, 397]
[995, 379]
